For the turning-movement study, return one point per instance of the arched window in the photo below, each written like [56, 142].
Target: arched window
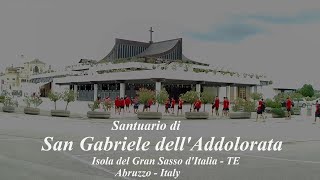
[36, 69]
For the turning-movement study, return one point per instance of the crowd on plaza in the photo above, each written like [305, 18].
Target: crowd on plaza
[124, 105]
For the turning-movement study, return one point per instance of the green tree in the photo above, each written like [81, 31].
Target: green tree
[68, 96]
[54, 97]
[206, 97]
[307, 90]
[145, 95]
[190, 97]
[161, 98]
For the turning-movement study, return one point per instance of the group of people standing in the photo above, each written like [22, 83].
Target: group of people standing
[261, 109]
[170, 105]
[288, 104]
[120, 104]
[123, 105]
[216, 106]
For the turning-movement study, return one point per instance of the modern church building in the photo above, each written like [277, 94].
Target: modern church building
[131, 65]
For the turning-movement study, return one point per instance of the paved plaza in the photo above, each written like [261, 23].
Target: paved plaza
[21, 138]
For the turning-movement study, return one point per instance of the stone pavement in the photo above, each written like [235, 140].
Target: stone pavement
[21, 138]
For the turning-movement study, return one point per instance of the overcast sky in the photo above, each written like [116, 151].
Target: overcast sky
[278, 37]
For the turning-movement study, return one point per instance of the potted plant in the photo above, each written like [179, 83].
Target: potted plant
[278, 113]
[68, 96]
[191, 97]
[270, 104]
[144, 97]
[206, 97]
[8, 105]
[54, 97]
[98, 114]
[36, 101]
[242, 109]
[161, 98]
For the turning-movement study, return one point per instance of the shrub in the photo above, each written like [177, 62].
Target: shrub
[238, 104]
[249, 106]
[27, 101]
[278, 111]
[243, 105]
[311, 98]
[296, 96]
[272, 104]
[316, 95]
[256, 96]
[36, 101]
[206, 97]
[107, 105]
[161, 98]
[8, 101]
[94, 106]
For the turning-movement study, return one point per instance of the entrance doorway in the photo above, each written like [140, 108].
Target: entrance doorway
[175, 91]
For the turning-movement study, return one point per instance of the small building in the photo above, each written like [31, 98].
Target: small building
[15, 78]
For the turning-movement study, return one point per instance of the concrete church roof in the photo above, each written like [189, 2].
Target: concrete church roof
[159, 47]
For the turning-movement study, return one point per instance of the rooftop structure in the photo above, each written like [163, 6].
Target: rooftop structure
[162, 51]
[131, 65]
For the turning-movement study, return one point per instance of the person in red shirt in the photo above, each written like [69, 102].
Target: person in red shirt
[317, 113]
[226, 106]
[116, 104]
[173, 102]
[167, 106]
[289, 106]
[197, 105]
[128, 102]
[122, 103]
[260, 110]
[215, 106]
[150, 102]
[180, 104]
